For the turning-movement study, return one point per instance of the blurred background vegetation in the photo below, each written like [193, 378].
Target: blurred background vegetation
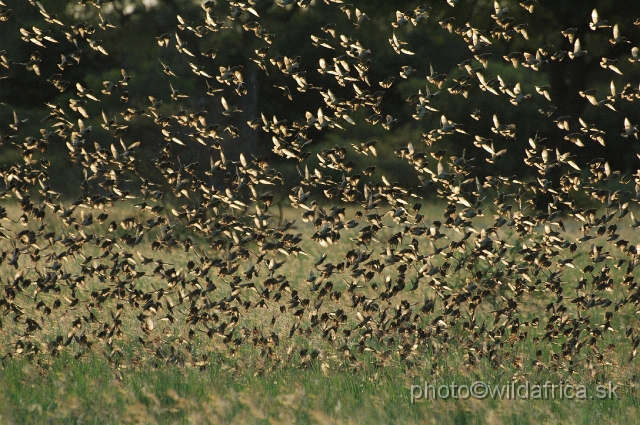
[133, 47]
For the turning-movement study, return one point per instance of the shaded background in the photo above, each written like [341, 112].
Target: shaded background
[133, 46]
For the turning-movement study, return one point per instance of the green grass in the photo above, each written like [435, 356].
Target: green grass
[180, 374]
[92, 391]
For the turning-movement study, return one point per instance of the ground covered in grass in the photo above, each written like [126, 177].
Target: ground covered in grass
[93, 391]
[113, 336]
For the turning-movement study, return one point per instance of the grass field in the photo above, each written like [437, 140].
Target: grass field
[117, 361]
[92, 391]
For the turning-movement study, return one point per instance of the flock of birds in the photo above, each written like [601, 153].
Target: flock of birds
[393, 283]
